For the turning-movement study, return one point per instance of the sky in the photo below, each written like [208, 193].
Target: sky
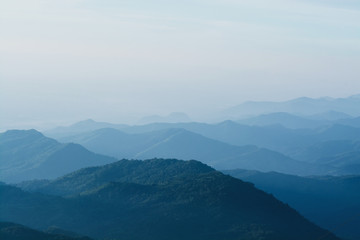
[62, 61]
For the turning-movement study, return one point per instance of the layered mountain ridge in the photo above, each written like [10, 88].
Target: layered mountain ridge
[28, 154]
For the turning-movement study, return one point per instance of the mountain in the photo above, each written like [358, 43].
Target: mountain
[274, 137]
[294, 143]
[348, 163]
[175, 117]
[155, 171]
[285, 119]
[158, 199]
[353, 122]
[27, 154]
[290, 142]
[183, 144]
[300, 106]
[330, 116]
[328, 149]
[330, 202]
[227, 131]
[12, 231]
[80, 127]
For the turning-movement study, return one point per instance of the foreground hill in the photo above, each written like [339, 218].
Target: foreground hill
[12, 231]
[183, 144]
[165, 199]
[156, 171]
[331, 202]
[27, 154]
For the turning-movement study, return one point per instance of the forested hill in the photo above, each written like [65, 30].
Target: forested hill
[166, 199]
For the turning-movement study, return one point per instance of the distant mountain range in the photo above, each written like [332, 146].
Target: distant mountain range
[353, 122]
[330, 202]
[300, 106]
[330, 116]
[80, 127]
[183, 144]
[295, 122]
[272, 136]
[156, 199]
[324, 150]
[292, 121]
[146, 141]
[77, 185]
[285, 119]
[27, 154]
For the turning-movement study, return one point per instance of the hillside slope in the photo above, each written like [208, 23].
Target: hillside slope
[330, 202]
[183, 144]
[27, 154]
[166, 199]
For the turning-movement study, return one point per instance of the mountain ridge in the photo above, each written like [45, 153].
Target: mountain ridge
[187, 145]
[166, 199]
[328, 201]
[300, 106]
[28, 154]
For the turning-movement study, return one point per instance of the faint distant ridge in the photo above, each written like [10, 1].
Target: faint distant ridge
[330, 116]
[183, 144]
[299, 106]
[226, 145]
[283, 118]
[293, 121]
[174, 117]
[355, 96]
[82, 126]
[354, 122]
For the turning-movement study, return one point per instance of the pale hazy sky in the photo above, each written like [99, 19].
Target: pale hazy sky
[116, 60]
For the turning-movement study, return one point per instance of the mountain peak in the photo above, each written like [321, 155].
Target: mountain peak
[89, 120]
[28, 154]
[31, 133]
[84, 123]
[228, 123]
[151, 171]
[169, 199]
